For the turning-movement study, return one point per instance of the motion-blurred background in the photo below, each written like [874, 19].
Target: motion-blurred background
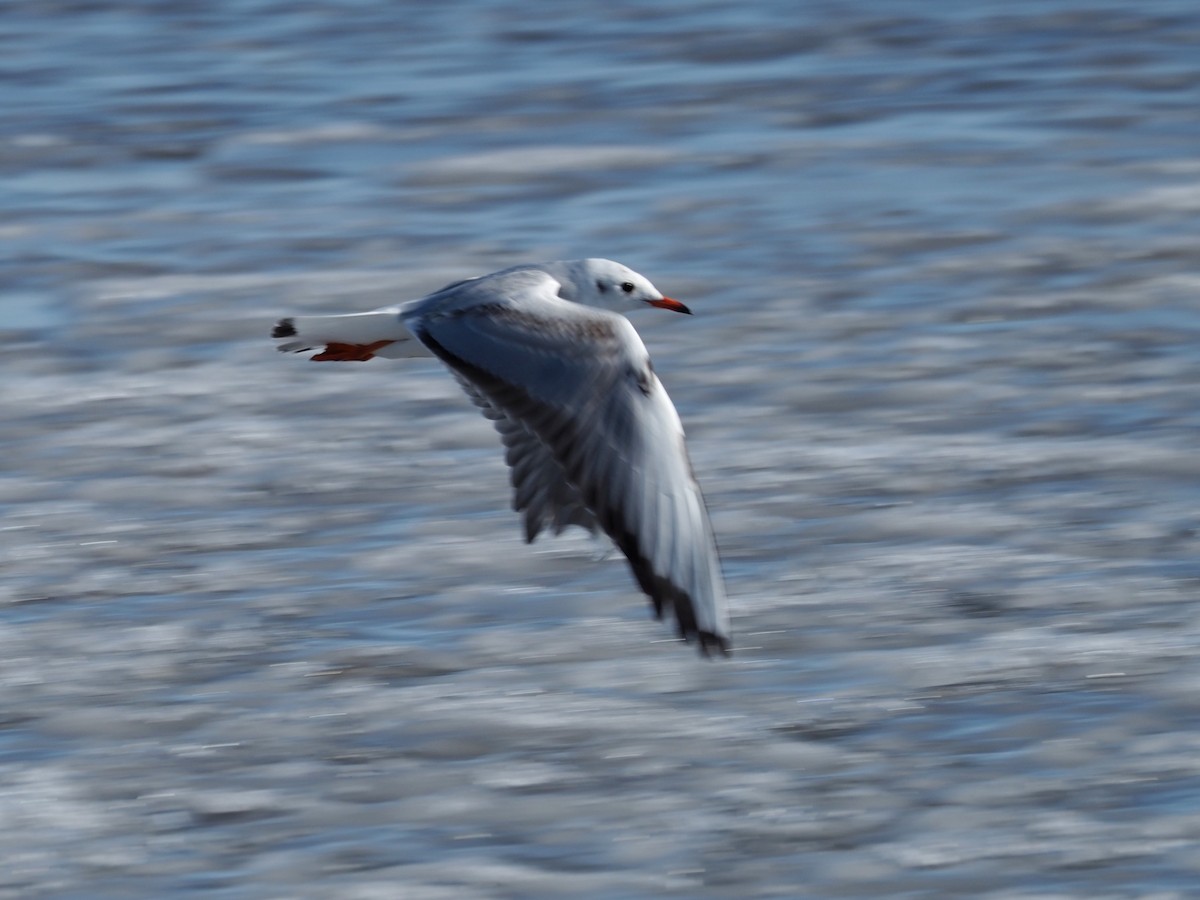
[268, 629]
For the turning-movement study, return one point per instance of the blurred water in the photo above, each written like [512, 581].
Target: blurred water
[261, 633]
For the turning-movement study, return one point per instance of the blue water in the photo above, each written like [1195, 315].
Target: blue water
[269, 629]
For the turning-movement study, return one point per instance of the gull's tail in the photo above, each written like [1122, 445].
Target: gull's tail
[350, 338]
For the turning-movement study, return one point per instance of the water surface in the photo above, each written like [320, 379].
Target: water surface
[268, 629]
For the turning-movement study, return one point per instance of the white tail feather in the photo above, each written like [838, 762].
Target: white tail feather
[300, 333]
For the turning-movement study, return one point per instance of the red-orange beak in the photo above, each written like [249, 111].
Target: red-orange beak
[668, 303]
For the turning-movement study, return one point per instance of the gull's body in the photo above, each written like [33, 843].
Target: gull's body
[590, 434]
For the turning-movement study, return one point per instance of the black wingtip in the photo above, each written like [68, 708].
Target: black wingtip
[664, 595]
[284, 328]
[714, 645]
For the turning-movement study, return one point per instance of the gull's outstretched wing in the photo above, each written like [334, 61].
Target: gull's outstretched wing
[578, 382]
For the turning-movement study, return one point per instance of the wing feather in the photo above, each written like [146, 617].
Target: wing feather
[541, 491]
[591, 436]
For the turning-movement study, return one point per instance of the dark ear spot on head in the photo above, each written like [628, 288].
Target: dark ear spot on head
[601, 286]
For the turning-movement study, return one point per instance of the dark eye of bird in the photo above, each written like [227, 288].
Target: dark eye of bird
[627, 287]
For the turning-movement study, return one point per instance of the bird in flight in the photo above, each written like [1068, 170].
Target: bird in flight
[590, 435]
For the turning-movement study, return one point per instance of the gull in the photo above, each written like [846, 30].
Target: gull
[590, 435]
